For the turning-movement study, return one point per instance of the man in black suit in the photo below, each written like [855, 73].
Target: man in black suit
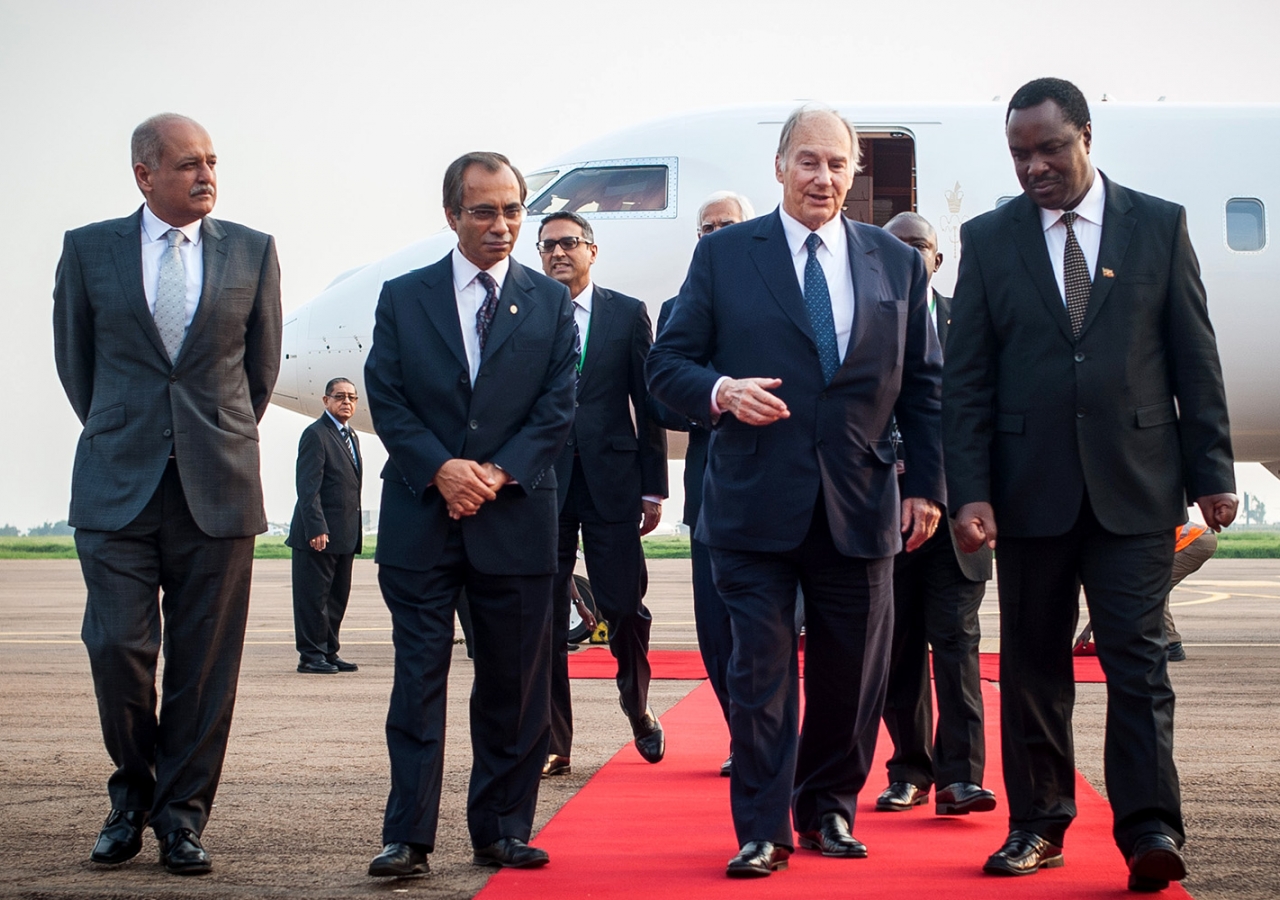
[801, 335]
[711, 619]
[167, 340]
[470, 383]
[1084, 403]
[612, 477]
[327, 532]
[937, 590]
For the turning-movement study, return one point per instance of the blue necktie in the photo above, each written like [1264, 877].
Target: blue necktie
[817, 300]
[484, 315]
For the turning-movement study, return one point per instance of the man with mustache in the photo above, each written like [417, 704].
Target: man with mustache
[167, 341]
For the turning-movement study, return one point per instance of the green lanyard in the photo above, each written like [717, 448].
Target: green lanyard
[583, 355]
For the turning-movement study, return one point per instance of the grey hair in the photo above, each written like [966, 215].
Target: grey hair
[744, 205]
[147, 144]
[816, 109]
[915, 217]
[567, 216]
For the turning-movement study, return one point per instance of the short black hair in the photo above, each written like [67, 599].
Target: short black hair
[568, 216]
[334, 382]
[1062, 92]
[489, 161]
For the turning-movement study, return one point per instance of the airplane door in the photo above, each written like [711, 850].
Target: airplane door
[886, 185]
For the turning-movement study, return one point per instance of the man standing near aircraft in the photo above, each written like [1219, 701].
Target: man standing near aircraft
[612, 477]
[800, 337]
[1084, 404]
[470, 384]
[167, 341]
[711, 619]
[326, 532]
[936, 594]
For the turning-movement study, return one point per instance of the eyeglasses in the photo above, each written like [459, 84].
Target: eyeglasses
[341, 397]
[565, 243]
[487, 214]
[708, 227]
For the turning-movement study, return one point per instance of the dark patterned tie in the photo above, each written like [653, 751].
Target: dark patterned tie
[1075, 272]
[577, 347]
[484, 315]
[817, 300]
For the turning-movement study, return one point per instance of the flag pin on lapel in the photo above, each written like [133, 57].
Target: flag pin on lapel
[1107, 273]
[515, 309]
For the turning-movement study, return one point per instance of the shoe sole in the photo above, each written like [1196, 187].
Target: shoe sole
[986, 804]
[1051, 862]
[188, 870]
[918, 800]
[556, 773]
[755, 871]
[499, 864]
[398, 873]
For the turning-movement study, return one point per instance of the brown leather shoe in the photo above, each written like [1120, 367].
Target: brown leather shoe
[1024, 853]
[556, 765]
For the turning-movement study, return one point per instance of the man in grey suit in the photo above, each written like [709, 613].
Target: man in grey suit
[326, 532]
[167, 340]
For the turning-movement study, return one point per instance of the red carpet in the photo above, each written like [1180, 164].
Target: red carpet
[637, 830]
[684, 665]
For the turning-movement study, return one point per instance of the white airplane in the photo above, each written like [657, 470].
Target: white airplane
[641, 189]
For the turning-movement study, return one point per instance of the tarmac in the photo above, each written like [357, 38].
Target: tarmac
[299, 811]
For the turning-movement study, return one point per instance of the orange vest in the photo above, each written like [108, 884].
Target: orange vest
[1185, 536]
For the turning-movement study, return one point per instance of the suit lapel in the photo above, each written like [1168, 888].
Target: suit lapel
[127, 252]
[942, 317]
[440, 303]
[1028, 235]
[215, 256]
[864, 266]
[341, 442]
[603, 311]
[772, 257]
[514, 303]
[1117, 228]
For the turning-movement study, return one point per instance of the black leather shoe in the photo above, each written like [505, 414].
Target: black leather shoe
[962, 798]
[556, 765]
[121, 837]
[1023, 853]
[510, 853]
[901, 796]
[726, 767]
[342, 665]
[317, 668]
[398, 859]
[833, 839]
[757, 859]
[1155, 862]
[182, 854]
[1176, 652]
[650, 740]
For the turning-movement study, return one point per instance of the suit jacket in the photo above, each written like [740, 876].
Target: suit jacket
[328, 482]
[1132, 411]
[426, 412]
[137, 407]
[695, 455]
[740, 313]
[622, 460]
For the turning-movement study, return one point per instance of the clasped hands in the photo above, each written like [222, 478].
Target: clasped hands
[466, 485]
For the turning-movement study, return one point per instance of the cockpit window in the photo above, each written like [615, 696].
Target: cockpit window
[537, 180]
[611, 191]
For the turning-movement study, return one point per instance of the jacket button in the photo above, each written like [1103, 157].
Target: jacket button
[575, 404]
[569, 443]
[463, 378]
[173, 379]
[1079, 357]
[168, 432]
[473, 424]
[1080, 413]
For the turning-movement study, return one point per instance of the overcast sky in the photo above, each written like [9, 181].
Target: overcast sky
[333, 122]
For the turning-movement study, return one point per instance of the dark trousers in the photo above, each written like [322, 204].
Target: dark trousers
[1125, 579]
[711, 620]
[161, 568]
[321, 588]
[849, 612]
[511, 615]
[934, 604]
[616, 570]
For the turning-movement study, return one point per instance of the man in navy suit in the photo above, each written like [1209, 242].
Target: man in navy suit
[800, 336]
[470, 384]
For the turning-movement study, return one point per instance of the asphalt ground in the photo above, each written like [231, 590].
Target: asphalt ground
[300, 807]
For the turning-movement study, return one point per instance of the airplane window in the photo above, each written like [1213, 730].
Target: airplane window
[1246, 224]
[607, 189]
[538, 180]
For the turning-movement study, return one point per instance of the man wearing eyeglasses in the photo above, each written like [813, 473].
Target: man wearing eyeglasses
[326, 532]
[612, 477]
[470, 385]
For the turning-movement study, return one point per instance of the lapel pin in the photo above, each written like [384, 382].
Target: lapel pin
[514, 309]
[1107, 273]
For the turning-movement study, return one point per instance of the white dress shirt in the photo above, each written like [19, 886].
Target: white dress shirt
[1088, 229]
[154, 244]
[469, 294]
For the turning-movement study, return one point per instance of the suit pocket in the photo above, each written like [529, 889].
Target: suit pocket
[1137, 278]
[1010, 423]
[733, 443]
[108, 419]
[1156, 414]
[237, 423]
[883, 452]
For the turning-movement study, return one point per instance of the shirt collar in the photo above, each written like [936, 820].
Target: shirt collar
[334, 419]
[465, 271]
[584, 299]
[832, 233]
[156, 228]
[1089, 208]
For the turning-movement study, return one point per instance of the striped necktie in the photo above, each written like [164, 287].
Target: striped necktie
[351, 445]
